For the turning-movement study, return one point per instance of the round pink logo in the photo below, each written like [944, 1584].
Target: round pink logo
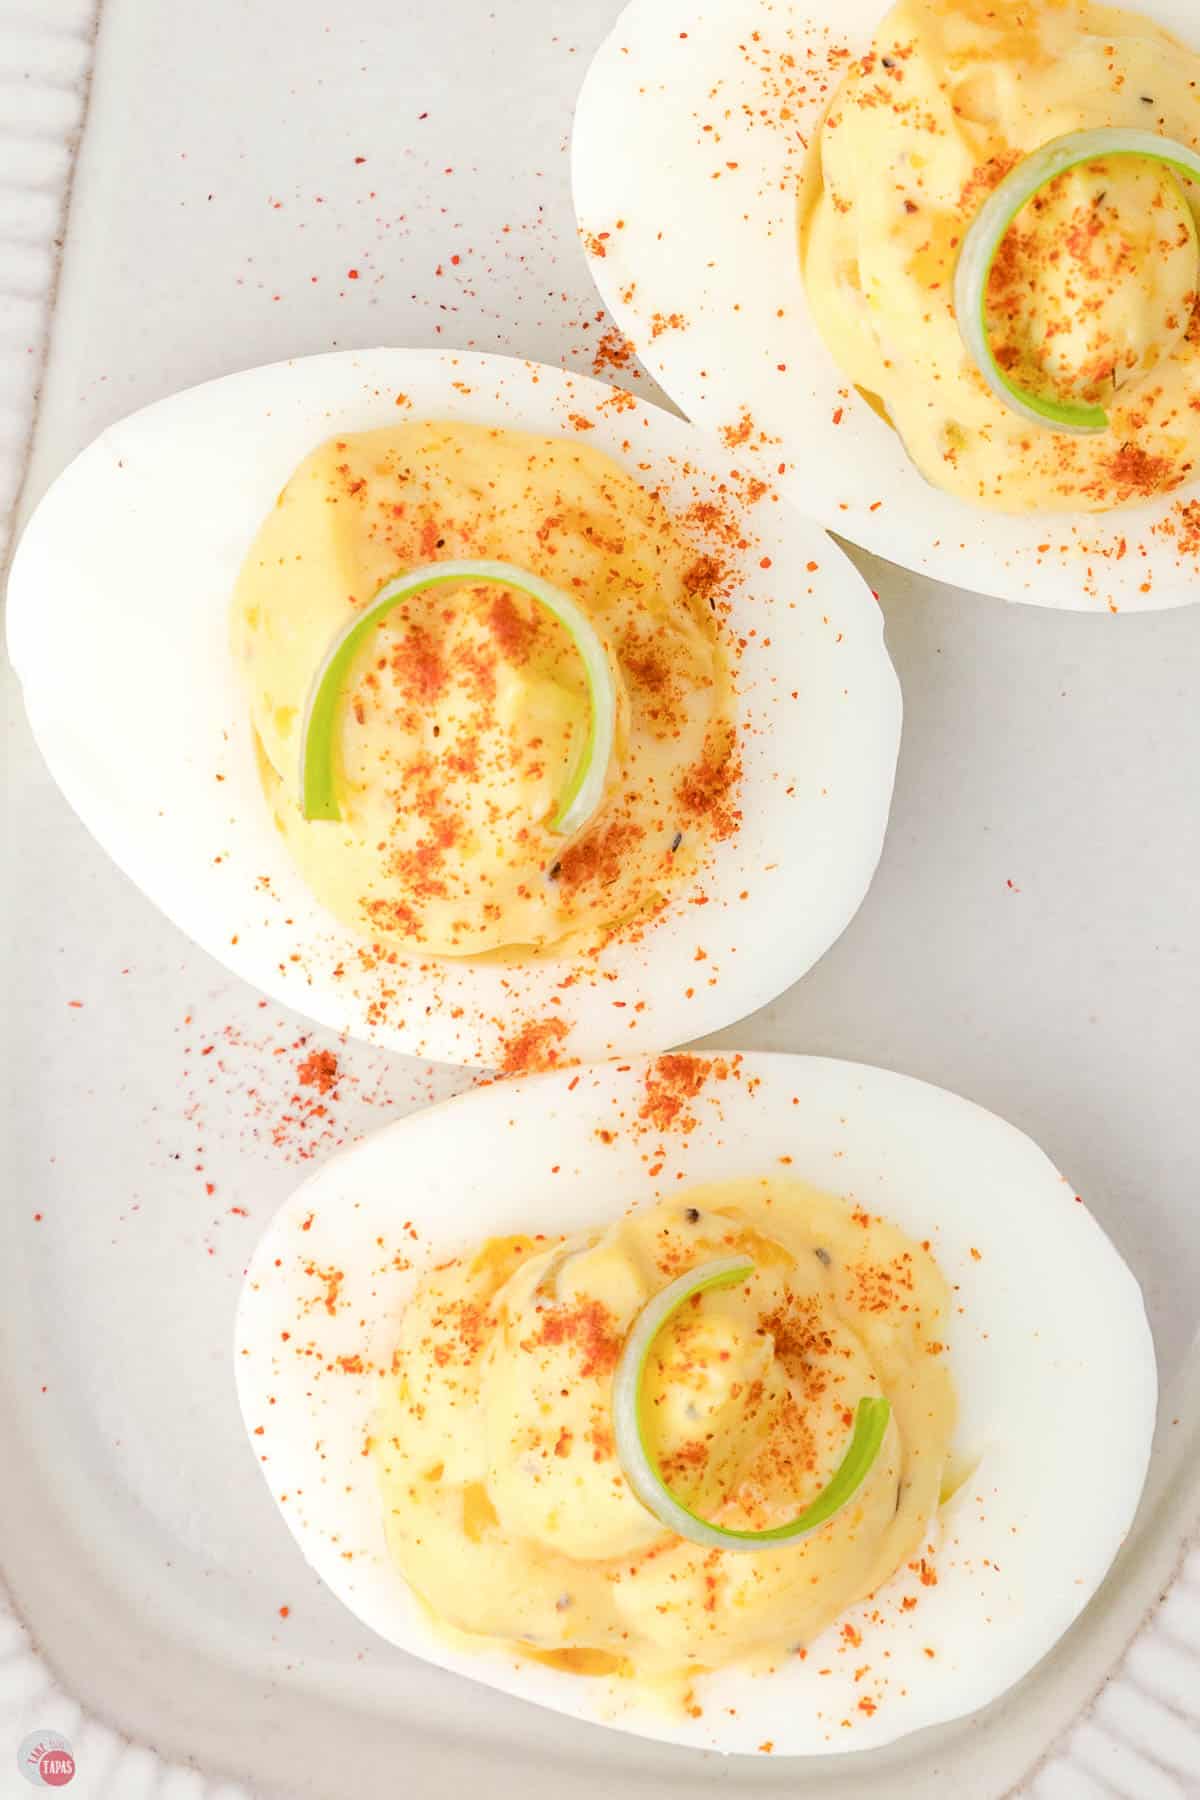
[45, 1759]
[56, 1767]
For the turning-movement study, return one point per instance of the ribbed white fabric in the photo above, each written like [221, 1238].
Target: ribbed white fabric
[45, 60]
[110, 1767]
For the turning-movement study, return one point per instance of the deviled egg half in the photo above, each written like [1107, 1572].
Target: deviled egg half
[738, 1401]
[941, 261]
[462, 703]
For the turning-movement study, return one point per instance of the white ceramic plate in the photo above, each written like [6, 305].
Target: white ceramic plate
[137, 1539]
[678, 136]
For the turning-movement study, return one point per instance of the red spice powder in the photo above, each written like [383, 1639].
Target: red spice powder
[645, 660]
[537, 1045]
[269, 1091]
[331, 1280]
[597, 857]
[707, 789]
[660, 322]
[1132, 471]
[984, 177]
[705, 577]
[319, 1070]
[513, 630]
[1182, 524]
[734, 435]
[591, 1328]
[392, 915]
[613, 351]
[882, 1287]
[617, 401]
[686, 1460]
[671, 1082]
[468, 1324]
[417, 662]
[419, 867]
[603, 1443]
[717, 525]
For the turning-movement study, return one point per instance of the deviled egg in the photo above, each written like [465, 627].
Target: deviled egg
[944, 262]
[739, 1401]
[462, 703]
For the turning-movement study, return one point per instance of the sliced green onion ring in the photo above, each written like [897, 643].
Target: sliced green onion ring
[630, 1421]
[987, 231]
[584, 790]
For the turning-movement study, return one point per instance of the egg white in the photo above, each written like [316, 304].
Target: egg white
[1048, 1343]
[118, 627]
[708, 234]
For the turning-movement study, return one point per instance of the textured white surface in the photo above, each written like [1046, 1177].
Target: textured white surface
[45, 59]
[1140, 1738]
